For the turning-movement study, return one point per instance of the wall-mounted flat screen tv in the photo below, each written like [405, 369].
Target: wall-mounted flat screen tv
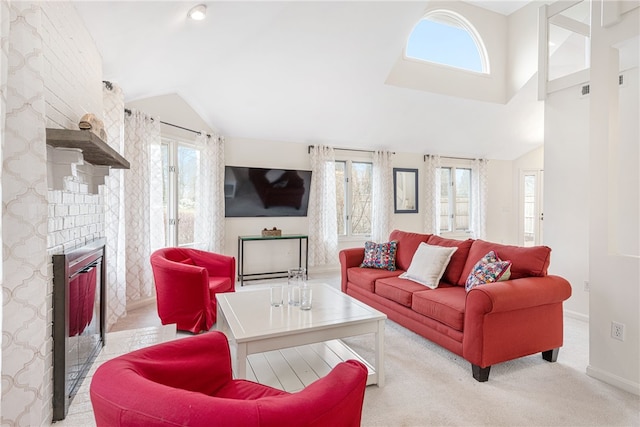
[258, 192]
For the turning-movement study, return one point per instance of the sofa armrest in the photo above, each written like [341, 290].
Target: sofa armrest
[351, 257]
[515, 318]
[517, 294]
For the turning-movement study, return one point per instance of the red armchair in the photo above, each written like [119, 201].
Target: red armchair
[186, 283]
[188, 381]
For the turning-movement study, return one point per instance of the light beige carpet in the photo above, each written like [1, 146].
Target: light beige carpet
[429, 386]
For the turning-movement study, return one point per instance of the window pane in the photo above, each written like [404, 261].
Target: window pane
[188, 161]
[463, 198]
[443, 43]
[529, 209]
[341, 201]
[165, 189]
[445, 198]
[361, 198]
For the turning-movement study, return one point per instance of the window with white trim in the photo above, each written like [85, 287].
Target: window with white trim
[445, 37]
[353, 197]
[180, 170]
[455, 199]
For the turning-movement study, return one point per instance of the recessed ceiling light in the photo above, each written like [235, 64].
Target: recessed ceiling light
[198, 13]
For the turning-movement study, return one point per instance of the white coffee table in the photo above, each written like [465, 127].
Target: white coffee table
[252, 325]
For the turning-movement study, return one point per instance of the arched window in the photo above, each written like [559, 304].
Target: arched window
[445, 37]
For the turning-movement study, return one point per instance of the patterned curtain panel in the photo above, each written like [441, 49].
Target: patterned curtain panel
[4, 61]
[24, 218]
[382, 196]
[209, 210]
[323, 223]
[144, 223]
[479, 198]
[431, 193]
[113, 101]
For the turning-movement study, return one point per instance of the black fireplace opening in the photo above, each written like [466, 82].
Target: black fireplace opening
[79, 323]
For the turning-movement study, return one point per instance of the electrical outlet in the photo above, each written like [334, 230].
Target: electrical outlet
[617, 331]
[586, 286]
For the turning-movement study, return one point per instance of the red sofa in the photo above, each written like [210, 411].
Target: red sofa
[187, 281]
[491, 323]
[188, 382]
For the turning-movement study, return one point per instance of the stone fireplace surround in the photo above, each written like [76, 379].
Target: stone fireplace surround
[76, 208]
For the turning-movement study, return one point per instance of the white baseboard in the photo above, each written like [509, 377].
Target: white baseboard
[575, 315]
[324, 269]
[614, 380]
[140, 303]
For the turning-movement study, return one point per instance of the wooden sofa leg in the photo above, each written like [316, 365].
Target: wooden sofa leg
[480, 374]
[551, 355]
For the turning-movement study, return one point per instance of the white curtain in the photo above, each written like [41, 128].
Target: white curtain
[209, 210]
[382, 196]
[113, 104]
[479, 198]
[144, 222]
[431, 192]
[4, 61]
[322, 214]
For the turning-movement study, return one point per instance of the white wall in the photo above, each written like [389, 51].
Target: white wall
[613, 140]
[522, 46]
[171, 108]
[566, 194]
[268, 255]
[591, 155]
[491, 87]
[501, 202]
[243, 152]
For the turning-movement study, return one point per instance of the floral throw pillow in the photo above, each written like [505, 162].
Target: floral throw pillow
[380, 255]
[488, 270]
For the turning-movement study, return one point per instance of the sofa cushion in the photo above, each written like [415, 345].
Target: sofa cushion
[380, 255]
[445, 304]
[488, 270]
[428, 264]
[365, 278]
[407, 245]
[456, 264]
[397, 289]
[525, 262]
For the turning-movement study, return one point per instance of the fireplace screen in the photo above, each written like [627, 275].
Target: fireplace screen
[78, 319]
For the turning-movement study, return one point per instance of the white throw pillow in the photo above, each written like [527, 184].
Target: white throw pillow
[428, 264]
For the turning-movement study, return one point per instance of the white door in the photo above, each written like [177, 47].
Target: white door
[531, 208]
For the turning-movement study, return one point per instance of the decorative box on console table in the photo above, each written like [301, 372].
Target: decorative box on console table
[274, 232]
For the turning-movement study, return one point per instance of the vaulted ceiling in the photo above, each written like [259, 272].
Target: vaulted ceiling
[306, 72]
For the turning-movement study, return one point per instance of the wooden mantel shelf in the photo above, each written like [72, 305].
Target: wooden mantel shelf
[94, 150]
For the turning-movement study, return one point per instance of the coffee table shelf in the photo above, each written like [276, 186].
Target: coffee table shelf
[292, 369]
